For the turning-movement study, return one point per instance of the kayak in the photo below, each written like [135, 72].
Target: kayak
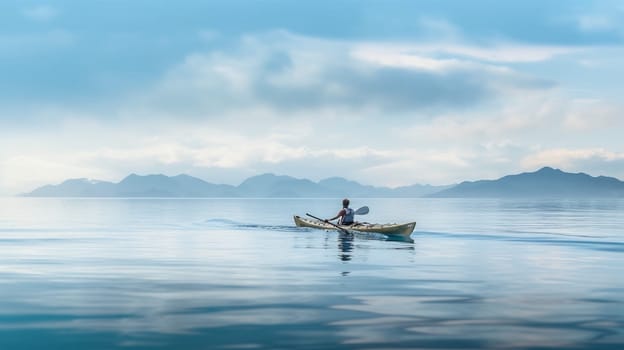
[386, 229]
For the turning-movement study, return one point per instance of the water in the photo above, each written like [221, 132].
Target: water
[237, 274]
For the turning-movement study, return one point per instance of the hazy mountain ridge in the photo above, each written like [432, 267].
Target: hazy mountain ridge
[546, 182]
[265, 185]
[543, 183]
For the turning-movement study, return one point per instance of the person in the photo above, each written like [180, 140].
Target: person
[346, 214]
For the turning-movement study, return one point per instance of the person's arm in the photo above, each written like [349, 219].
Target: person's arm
[341, 213]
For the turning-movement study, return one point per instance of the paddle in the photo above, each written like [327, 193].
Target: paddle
[362, 211]
[329, 222]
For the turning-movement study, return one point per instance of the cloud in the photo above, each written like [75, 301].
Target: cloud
[492, 52]
[596, 23]
[439, 29]
[220, 153]
[288, 73]
[25, 171]
[604, 18]
[41, 13]
[518, 118]
[592, 114]
[601, 161]
[377, 112]
[208, 35]
[29, 43]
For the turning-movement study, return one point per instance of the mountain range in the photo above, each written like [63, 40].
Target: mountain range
[266, 185]
[544, 183]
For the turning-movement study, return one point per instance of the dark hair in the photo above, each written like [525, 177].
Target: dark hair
[345, 202]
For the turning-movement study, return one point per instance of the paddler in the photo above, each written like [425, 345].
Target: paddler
[346, 214]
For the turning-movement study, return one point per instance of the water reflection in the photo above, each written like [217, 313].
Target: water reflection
[468, 321]
[79, 276]
[346, 242]
[345, 246]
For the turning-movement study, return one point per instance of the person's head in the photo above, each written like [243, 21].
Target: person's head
[345, 203]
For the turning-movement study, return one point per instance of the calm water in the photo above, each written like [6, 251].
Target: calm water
[237, 274]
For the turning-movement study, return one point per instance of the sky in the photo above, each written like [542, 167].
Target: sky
[386, 93]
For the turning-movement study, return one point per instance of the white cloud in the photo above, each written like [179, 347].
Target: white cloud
[516, 119]
[21, 44]
[439, 29]
[578, 159]
[494, 52]
[41, 13]
[596, 23]
[382, 114]
[23, 172]
[286, 74]
[208, 35]
[210, 150]
[593, 114]
[601, 17]
[383, 57]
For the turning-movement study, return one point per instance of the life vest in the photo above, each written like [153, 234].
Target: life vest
[349, 217]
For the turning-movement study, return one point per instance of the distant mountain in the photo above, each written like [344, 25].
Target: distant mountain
[269, 185]
[265, 185]
[418, 190]
[353, 189]
[75, 188]
[137, 186]
[544, 183]
[165, 186]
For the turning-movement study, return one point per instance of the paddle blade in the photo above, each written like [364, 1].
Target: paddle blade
[362, 211]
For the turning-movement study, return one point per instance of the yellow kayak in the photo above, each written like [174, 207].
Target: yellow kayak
[386, 229]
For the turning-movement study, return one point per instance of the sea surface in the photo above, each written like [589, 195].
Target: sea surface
[237, 274]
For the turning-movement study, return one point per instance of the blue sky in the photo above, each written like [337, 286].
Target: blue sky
[382, 92]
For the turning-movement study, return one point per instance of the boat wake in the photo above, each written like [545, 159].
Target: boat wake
[227, 223]
[554, 239]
